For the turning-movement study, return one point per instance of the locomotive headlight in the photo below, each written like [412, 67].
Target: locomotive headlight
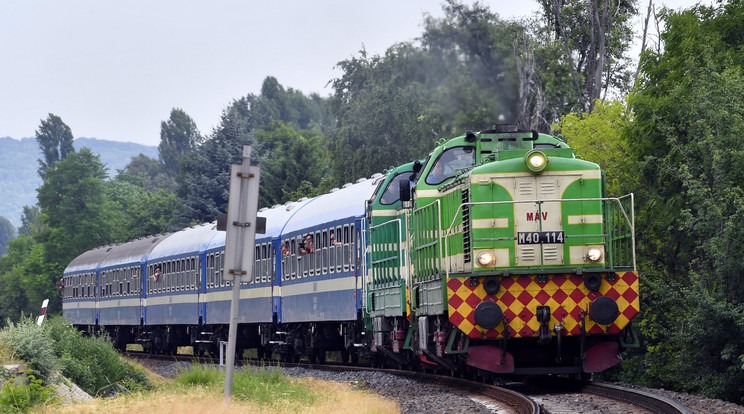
[485, 259]
[536, 161]
[594, 254]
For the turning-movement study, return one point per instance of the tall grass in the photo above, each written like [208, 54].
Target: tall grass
[259, 385]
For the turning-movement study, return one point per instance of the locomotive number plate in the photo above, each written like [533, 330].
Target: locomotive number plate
[540, 237]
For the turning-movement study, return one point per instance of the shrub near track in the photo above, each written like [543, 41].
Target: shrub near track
[57, 347]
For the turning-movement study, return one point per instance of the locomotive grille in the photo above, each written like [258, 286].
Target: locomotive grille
[466, 225]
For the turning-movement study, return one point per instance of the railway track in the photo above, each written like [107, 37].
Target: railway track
[513, 400]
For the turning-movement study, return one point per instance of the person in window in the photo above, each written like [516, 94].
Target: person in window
[285, 248]
[306, 245]
[334, 241]
[157, 274]
[61, 285]
[439, 173]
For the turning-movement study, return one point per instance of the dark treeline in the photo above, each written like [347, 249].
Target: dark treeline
[667, 130]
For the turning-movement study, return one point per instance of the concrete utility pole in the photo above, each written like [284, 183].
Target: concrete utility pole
[240, 241]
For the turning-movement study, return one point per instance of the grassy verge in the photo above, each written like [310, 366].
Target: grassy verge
[201, 390]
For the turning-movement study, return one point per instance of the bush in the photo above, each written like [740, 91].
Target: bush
[31, 343]
[92, 362]
[20, 397]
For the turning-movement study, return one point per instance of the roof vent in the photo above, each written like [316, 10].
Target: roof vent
[376, 175]
[291, 206]
[276, 205]
[361, 180]
[302, 199]
[262, 209]
[347, 185]
[333, 190]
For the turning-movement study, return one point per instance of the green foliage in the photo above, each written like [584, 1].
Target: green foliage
[33, 344]
[7, 356]
[73, 204]
[178, 136]
[203, 182]
[31, 223]
[7, 233]
[92, 362]
[268, 387]
[686, 145]
[289, 159]
[19, 397]
[598, 137]
[55, 140]
[147, 173]
[594, 38]
[197, 374]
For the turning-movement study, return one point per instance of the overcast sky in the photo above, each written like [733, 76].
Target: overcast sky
[114, 70]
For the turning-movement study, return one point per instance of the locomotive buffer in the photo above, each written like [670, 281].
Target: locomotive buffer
[240, 240]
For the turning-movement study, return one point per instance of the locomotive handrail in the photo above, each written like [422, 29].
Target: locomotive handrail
[399, 250]
[438, 230]
[630, 221]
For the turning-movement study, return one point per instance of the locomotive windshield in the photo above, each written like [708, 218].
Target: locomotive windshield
[392, 192]
[449, 162]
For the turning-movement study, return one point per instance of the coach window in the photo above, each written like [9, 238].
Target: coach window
[218, 268]
[210, 270]
[265, 263]
[181, 274]
[292, 258]
[353, 247]
[257, 263]
[324, 252]
[305, 262]
[274, 252]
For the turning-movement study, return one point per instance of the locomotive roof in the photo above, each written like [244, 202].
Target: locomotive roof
[133, 252]
[348, 201]
[186, 242]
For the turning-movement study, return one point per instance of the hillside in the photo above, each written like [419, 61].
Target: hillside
[19, 163]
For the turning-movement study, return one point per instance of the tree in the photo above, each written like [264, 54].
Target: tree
[178, 136]
[136, 212]
[390, 109]
[7, 233]
[31, 223]
[685, 140]
[291, 158]
[204, 182]
[595, 40]
[13, 298]
[599, 137]
[55, 141]
[73, 205]
[148, 174]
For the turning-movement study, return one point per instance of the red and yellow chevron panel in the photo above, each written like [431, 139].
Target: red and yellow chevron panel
[520, 295]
